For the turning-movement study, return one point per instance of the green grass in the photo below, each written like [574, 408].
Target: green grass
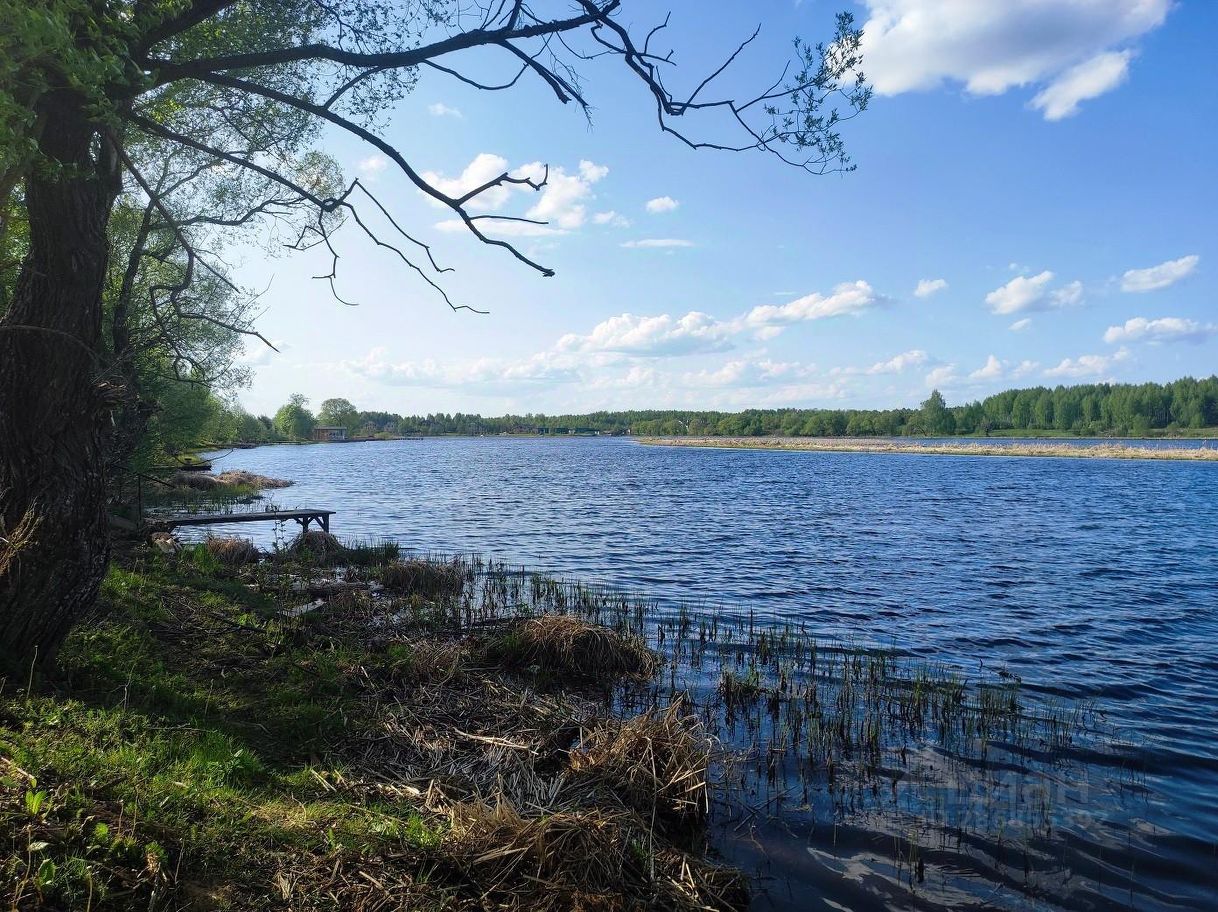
[189, 734]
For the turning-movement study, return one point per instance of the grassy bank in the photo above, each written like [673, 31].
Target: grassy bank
[294, 735]
[863, 445]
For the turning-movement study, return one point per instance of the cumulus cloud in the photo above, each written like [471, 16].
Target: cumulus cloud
[1087, 365]
[1024, 293]
[493, 374]
[993, 369]
[1082, 82]
[942, 376]
[1155, 277]
[927, 287]
[372, 165]
[1067, 296]
[846, 298]
[661, 204]
[560, 203]
[1020, 325]
[749, 373]
[657, 243]
[439, 109]
[484, 168]
[612, 219]
[915, 357]
[1164, 329]
[652, 336]
[1074, 50]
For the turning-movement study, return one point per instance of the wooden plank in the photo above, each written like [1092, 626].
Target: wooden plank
[208, 519]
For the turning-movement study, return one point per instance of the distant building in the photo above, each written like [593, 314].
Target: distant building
[330, 434]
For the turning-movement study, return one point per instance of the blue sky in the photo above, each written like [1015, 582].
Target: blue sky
[1034, 204]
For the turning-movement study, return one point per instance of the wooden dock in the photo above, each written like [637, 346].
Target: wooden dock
[302, 516]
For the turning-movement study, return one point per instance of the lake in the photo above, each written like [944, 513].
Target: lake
[1095, 581]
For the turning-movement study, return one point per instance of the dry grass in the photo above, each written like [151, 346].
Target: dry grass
[238, 477]
[573, 649]
[232, 552]
[426, 579]
[593, 860]
[234, 478]
[317, 544]
[569, 852]
[658, 763]
[851, 445]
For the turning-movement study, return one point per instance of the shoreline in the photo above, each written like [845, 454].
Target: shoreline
[888, 447]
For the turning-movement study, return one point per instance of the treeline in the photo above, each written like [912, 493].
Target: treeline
[1100, 409]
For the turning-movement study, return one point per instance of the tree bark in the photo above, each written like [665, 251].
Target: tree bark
[53, 397]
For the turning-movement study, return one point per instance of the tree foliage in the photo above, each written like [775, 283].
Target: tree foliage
[1092, 409]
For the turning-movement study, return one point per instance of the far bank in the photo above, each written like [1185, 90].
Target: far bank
[1078, 450]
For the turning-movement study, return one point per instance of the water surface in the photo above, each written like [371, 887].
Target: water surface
[1092, 580]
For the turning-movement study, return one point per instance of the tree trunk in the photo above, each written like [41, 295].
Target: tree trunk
[53, 402]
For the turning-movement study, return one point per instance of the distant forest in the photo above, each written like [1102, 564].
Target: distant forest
[1102, 409]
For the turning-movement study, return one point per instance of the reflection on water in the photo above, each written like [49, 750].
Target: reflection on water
[1092, 581]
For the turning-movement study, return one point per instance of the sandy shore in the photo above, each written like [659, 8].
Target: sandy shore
[981, 448]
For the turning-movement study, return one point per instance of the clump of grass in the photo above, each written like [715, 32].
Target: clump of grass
[658, 763]
[580, 858]
[232, 552]
[318, 545]
[424, 578]
[371, 553]
[571, 648]
[739, 689]
[567, 851]
[232, 479]
[241, 478]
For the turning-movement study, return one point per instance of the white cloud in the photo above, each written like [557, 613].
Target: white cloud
[439, 109]
[372, 165]
[1082, 82]
[1087, 365]
[1073, 49]
[612, 219]
[493, 374]
[1067, 296]
[992, 370]
[699, 332]
[847, 298]
[1164, 329]
[657, 243]
[662, 204]
[484, 168]
[1020, 325]
[746, 373]
[662, 335]
[913, 358]
[257, 354]
[560, 202]
[942, 376]
[1024, 368]
[1155, 277]
[1021, 293]
[1024, 293]
[927, 287]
